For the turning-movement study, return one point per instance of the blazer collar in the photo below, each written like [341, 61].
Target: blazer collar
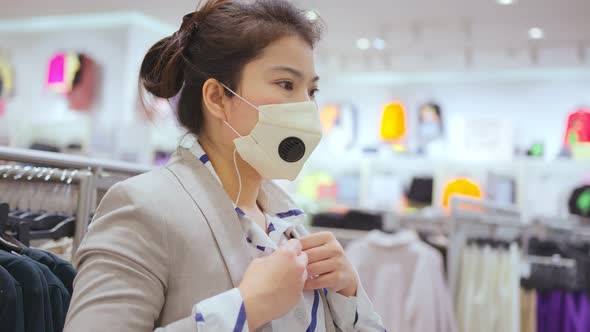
[271, 198]
[218, 210]
[193, 170]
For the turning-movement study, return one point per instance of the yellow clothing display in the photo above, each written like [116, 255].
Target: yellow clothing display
[463, 187]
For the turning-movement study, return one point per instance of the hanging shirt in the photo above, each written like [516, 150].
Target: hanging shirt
[83, 92]
[404, 277]
[56, 73]
[513, 306]
[58, 295]
[308, 315]
[72, 66]
[36, 302]
[550, 311]
[577, 307]
[11, 304]
[528, 310]
[61, 268]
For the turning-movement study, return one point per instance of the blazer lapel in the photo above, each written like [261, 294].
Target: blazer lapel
[218, 210]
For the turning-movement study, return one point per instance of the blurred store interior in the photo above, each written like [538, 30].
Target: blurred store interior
[421, 101]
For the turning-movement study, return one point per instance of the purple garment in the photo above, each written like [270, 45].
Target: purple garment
[550, 311]
[576, 313]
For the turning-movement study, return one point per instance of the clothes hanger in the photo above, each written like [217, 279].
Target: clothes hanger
[4, 243]
[9, 246]
[49, 219]
[65, 228]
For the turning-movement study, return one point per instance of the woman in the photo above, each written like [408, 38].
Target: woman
[209, 243]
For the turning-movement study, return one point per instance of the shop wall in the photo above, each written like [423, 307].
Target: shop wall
[537, 109]
[34, 113]
[137, 137]
[112, 128]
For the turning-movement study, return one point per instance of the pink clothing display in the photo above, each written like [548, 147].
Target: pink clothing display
[56, 73]
[2, 107]
[74, 76]
[404, 279]
[56, 69]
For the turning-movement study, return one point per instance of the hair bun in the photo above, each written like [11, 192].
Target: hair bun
[162, 69]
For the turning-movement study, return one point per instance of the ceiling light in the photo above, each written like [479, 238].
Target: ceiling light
[363, 44]
[311, 15]
[378, 44]
[536, 33]
[505, 2]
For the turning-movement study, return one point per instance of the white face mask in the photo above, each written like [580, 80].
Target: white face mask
[282, 140]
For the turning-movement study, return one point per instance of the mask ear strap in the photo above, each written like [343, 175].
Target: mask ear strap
[247, 102]
[242, 98]
[232, 128]
[239, 177]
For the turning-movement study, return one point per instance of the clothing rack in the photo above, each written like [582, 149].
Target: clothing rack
[60, 160]
[493, 218]
[82, 179]
[477, 211]
[90, 175]
[486, 219]
[393, 222]
[420, 223]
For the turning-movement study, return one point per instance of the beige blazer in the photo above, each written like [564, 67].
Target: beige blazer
[159, 243]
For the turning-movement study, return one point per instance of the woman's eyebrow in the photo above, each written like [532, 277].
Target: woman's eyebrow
[293, 71]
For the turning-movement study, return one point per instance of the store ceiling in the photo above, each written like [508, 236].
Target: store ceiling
[418, 32]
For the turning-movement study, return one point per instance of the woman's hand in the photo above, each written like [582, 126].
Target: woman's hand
[328, 267]
[272, 285]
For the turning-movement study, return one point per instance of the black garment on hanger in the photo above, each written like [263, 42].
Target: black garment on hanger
[581, 254]
[5, 244]
[550, 277]
[353, 219]
[36, 302]
[420, 191]
[11, 306]
[58, 295]
[61, 268]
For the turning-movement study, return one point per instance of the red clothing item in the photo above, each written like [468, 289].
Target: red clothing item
[84, 90]
[578, 128]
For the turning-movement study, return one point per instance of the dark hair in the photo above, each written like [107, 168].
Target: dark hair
[217, 41]
[433, 106]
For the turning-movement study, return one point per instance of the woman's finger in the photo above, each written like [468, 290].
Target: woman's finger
[316, 240]
[324, 281]
[322, 253]
[322, 267]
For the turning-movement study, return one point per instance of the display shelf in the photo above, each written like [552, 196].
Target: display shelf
[555, 179]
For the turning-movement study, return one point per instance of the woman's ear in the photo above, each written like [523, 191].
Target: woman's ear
[214, 99]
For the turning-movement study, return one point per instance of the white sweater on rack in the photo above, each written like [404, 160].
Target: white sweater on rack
[404, 279]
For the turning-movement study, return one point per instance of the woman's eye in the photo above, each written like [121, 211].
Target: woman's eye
[286, 85]
[314, 92]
